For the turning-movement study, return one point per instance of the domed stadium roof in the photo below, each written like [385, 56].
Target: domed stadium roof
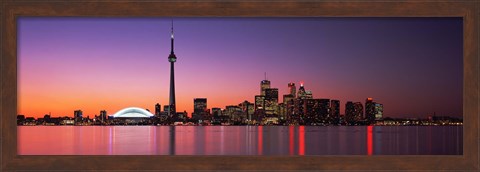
[133, 112]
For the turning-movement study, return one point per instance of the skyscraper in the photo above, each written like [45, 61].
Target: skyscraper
[199, 105]
[259, 102]
[358, 111]
[103, 115]
[350, 113]
[335, 111]
[370, 110]
[157, 109]
[271, 100]
[78, 115]
[264, 85]
[378, 111]
[259, 108]
[311, 111]
[199, 108]
[172, 59]
[247, 108]
[292, 89]
[301, 92]
[324, 110]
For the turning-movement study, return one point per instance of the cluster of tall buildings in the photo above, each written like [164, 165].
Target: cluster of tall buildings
[298, 107]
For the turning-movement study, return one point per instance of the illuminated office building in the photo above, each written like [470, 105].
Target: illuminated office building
[308, 94]
[247, 108]
[259, 102]
[378, 111]
[271, 100]
[301, 92]
[264, 84]
[358, 112]
[292, 90]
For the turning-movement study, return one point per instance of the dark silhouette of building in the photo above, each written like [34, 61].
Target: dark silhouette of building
[358, 112]
[324, 110]
[199, 105]
[370, 111]
[350, 113]
[299, 116]
[158, 109]
[77, 114]
[311, 111]
[20, 119]
[218, 116]
[301, 92]
[199, 109]
[103, 115]
[172, 59]
[335, 112]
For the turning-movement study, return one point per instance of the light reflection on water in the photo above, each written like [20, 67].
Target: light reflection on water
[240, 140]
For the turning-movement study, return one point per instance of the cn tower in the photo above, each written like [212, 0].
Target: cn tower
[172, 59]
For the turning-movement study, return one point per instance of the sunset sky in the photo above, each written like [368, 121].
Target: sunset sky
[413, 66]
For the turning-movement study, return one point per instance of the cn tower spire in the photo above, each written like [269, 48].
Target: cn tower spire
[172, 59]
[171, 52]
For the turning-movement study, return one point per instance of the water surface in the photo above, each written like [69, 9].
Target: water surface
[240, 140]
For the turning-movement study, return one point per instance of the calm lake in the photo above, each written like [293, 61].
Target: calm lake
[240, 140]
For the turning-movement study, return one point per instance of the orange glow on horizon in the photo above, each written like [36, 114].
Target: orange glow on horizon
[57, 106]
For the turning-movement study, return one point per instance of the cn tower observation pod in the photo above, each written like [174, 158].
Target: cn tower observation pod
[133, 112]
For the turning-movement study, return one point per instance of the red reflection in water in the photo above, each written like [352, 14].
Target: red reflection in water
[260, 140]
[301, 140]
[291, 139]
[110, 142]
[369, 139]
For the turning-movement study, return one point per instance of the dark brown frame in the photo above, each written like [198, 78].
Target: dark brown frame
[10, 10]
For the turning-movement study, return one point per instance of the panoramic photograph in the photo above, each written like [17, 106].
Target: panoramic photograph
[287, 86]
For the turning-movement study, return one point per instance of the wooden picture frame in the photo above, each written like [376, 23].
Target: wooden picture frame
[11, 10]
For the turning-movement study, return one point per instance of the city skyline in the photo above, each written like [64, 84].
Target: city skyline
[227, 85]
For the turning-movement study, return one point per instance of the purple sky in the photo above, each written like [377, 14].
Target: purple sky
[413, 66]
